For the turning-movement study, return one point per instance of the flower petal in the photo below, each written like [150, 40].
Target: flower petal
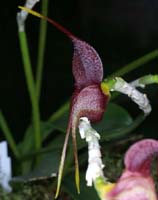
[138, 157]
[133, 186]
[90, 102]
[87, 66]
[136, 181]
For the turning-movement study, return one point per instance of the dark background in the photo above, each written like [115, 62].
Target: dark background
[120, 31]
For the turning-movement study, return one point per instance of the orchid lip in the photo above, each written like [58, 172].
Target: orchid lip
[136, 181]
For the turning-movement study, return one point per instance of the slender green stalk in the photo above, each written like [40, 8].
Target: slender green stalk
[31, 88]
[148, 79]
[59, 112]
[9, 136]
[135, 64]
[41, 47]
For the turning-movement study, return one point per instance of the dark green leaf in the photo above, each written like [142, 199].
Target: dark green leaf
[28, 142]
[116, 123]
[114, 118]
[85, 193]
[47, 167]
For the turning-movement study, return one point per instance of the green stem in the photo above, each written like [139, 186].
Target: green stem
[31, 88]
[59, 112]
[9, 136]
[148, 79]
[41, 47]
[135, 64]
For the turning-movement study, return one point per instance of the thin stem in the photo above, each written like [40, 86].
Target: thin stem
[9, 136]
[41, 47]
[31, 88]
[148, 79]
[59, 112]
[135, 64]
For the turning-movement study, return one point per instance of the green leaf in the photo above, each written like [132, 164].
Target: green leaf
[47, 167]
[28, 142]
[116, 123]
[114, 118]
[27, 147]
[85, 193]
[61, 123]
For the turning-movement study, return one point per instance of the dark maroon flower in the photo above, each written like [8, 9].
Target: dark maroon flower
[89, 98]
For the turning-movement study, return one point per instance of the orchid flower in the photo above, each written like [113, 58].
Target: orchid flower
[136, 182]
[91, 94]
[89, 98]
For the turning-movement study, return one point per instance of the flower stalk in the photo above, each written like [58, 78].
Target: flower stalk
[21, 18]
[135, 64]
[41, 47]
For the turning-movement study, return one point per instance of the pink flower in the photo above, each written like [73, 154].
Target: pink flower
[136, 182]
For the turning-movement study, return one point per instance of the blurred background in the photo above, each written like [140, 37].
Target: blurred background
[120, 31]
